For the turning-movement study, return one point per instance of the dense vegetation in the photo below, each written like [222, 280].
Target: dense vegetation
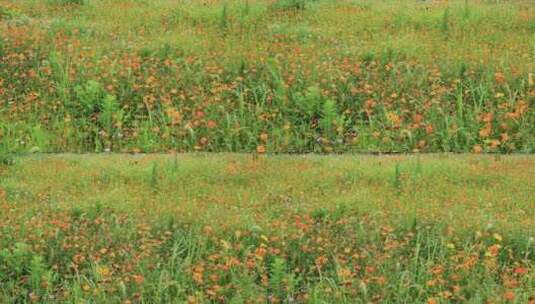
[267, 76]
[275, 76]
[234, 229]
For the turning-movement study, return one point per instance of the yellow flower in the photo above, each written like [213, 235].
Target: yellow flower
[225, 244]
[103, 271]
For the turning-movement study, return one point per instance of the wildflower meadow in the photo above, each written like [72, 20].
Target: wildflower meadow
[267, 151]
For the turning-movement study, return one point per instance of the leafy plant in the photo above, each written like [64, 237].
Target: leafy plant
[328, 118]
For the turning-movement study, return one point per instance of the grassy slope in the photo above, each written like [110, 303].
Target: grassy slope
[230, 227]
[341, 75]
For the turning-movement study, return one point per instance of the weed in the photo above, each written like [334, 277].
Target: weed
[397, 177]
[154, 176]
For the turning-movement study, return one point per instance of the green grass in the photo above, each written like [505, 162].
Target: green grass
[314, 76]
[235, 228]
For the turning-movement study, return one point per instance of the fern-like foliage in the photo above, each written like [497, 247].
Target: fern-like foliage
[329, 115]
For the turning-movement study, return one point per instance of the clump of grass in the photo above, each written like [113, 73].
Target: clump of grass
[397, 181]
[445, 22]
[154, 177]
[223, 18]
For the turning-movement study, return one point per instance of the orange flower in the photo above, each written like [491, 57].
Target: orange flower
[151, 80]
[175, 116]
[369, 104]
[260, 252]
[509, 296]
[521, 107]
[345, 274]
[211, 124]
[261, 149]
[499, 77]
[321, 260]
[494, 143]
[432, 301]
[417, 118]
[485, 132]
[78, 259]
[198, 274]
[207, 230]
[493, 250]
[394, 119]
[429, 129]
[520, 270]
[139, 279]
[487, 117]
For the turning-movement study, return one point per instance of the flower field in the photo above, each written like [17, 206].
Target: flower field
[267, 151]
[230, 228]
[284, 76]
